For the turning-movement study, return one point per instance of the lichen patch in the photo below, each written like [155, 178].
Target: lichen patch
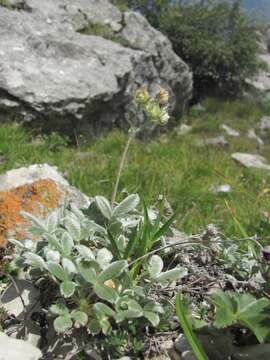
[37, 198]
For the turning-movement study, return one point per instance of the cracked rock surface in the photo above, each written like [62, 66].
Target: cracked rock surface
[56, 77]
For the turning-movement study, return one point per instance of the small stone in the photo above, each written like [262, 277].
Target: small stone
[225, 188]
[230, 131]
[12, 303]
[188, 355]
[217, 344]
[181, 344]
[266, 253]
[264, 123]
[216, 141]
[33, 338]
[251, 160]
[174, 355]
[252, 135]
[93, 355]
[183, 129]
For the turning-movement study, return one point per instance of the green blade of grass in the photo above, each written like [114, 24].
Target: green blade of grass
[145, 243]
[159, 216]
[146, 234]
[165, 227]
[132, 243]
[189, 334]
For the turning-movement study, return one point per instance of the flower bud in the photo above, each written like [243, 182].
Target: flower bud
[142, 96]
[153, 111]
[162, 96]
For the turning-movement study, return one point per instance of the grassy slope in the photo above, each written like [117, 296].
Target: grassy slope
[171, 164]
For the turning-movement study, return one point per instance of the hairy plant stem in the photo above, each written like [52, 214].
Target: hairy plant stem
[132, 133]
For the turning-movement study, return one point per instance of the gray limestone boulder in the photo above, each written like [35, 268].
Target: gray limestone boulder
[56, 74]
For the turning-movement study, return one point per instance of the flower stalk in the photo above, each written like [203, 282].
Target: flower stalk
[156, 110]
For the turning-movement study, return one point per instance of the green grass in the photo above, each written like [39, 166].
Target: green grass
[170, 164]
[103, 31]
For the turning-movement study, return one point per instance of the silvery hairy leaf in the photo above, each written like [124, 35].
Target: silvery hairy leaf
[34, 260]
[67, 288]
[105, 293]
[87, 271]
[73, 226]
[104, 206]
[128, 204]
[155, 266]
[85, 252]
[52, 221]
[67, 243]
[103, 309]
[79, 317]
[62, 323]
[112, 271]
[104, 257]
[57, 270]
[170, 275]
[52, 255]
[69, 266]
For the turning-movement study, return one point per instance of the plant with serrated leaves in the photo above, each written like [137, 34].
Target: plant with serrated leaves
[98, 262]
[242, 309]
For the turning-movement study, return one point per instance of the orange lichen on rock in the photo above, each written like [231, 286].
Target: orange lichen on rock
[37, 198]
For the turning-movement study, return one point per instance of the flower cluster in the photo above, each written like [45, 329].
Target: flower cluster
[156, 108]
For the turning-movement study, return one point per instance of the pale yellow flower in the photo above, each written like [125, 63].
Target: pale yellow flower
[109, 284]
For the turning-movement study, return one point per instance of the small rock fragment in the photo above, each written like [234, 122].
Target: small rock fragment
[12, 303]
[264, 123]
[230, 131]
[183, 129]
[266, 253]
[188, 355]
[252, 135]
[251, 160]
[216, 141]
[181, 344]
[225, 188]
